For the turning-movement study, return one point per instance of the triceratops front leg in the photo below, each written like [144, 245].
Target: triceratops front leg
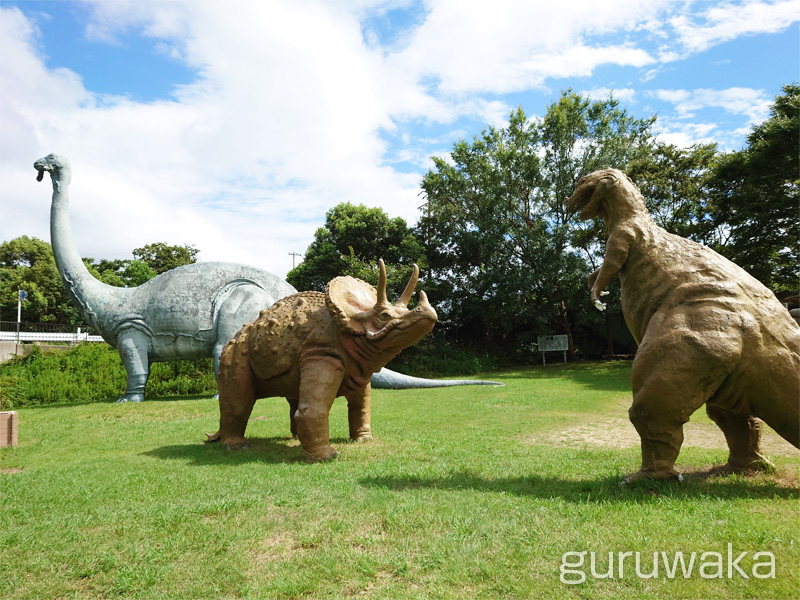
[320, 379]
[358, 414]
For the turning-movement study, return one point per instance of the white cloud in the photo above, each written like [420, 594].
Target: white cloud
[625, 95]
[285, 121]
[295, 102]
[510, 45]
[722, 22]
[684, 134]
[736, 100]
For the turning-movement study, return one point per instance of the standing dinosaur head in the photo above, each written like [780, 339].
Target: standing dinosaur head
[362, 310]
[595, 193]
[52, 163]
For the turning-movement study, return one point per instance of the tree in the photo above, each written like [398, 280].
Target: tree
[676, 185]
[757, 194]
[120, 273]
[351, 242]
[28, 264]
[503, 248]
[161, 257]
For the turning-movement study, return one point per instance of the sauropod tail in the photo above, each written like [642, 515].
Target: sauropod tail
[388, 379]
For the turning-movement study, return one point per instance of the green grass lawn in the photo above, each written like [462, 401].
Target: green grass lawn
[471, 492]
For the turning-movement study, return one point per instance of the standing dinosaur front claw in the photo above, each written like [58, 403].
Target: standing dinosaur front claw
[599, 305]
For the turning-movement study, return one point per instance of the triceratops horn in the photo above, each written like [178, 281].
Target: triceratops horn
[382, 283]
[409, 291]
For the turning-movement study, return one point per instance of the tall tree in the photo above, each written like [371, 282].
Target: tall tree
[28, 264]
[676, 185]
[500, 241]
[162, 257]
[758, 194]
[352, 240]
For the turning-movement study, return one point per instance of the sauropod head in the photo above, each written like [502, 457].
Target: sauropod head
[50, 163]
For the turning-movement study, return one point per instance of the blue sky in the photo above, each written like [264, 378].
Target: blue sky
[234, 126]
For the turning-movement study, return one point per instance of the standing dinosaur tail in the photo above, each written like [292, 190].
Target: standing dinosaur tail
[388, 379]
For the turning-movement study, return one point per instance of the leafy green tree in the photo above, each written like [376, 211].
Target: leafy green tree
[757, 194]
[676, 184]
[162, 257]
[503, 248]
[351, 242]
[120, 273]
[136, 272]
[28, 264]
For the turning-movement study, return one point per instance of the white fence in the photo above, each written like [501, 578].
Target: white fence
[45, 332]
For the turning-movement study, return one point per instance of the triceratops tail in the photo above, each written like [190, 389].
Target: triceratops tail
[212, 437]
[388, 379]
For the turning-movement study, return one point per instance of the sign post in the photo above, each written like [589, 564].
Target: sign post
[553, 343]
[22, 295]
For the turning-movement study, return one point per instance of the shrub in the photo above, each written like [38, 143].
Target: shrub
[92, 372]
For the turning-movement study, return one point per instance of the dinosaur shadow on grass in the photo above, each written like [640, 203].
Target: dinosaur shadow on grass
[697, 485]
[269, 450]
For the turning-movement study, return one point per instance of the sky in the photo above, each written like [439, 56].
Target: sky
[234, 125]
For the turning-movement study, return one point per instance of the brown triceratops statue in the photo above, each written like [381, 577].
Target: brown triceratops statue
[312, 348]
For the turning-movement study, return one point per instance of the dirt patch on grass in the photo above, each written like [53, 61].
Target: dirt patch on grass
[620, 433]
[10, 471]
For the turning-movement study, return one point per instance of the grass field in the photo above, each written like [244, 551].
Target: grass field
[471, 492]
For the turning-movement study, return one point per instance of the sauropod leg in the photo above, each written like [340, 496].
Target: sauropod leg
[358, 414]
[242, 306]
[237, 394]
[743, 434]
[133, 346]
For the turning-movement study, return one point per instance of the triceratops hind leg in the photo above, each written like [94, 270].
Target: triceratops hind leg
[237, 395]
[358, 414]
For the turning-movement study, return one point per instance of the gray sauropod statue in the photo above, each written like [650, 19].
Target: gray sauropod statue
[185, 313]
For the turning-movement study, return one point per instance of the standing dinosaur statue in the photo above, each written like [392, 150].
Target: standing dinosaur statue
[707, 331]
[188, 312]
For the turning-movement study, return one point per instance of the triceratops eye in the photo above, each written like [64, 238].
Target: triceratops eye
[386, 315]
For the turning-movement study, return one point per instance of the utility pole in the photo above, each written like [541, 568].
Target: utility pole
[294, 255]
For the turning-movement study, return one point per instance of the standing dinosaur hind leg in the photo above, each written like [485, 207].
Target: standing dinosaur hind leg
[743, 435]
[672, 376]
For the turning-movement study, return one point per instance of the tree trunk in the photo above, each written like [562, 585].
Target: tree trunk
[609, 336]
[568, 330]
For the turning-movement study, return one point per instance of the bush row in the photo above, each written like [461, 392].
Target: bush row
[92, 372]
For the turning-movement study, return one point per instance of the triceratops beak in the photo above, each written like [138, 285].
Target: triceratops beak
[409, 291]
